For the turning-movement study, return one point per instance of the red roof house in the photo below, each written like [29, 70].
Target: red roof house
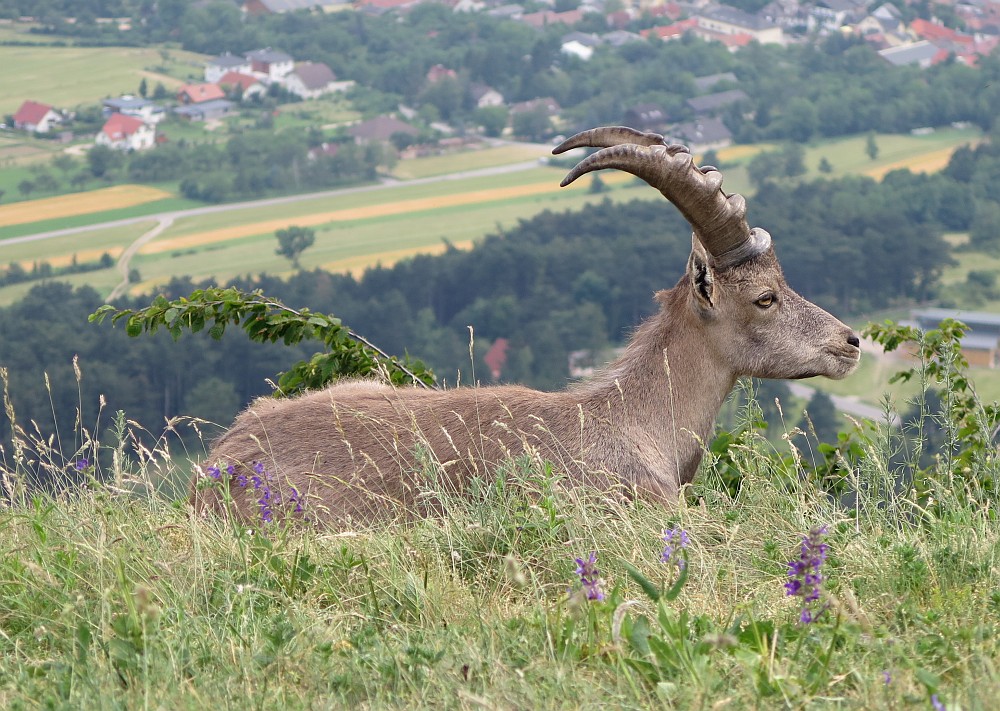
[248, 85]
[35, 116]
[126, 133]
[670, 32]
[197, 93]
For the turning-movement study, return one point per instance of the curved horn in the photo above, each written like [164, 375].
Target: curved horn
[718, 219]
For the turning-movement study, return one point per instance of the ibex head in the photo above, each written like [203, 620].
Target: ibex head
[748, 315]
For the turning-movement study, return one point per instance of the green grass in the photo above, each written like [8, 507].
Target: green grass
[325, 113]
[847, 156]
[68, 76]
[114, 595]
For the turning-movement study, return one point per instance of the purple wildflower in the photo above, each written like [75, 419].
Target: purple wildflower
[936, 703]
[214, 472]
[805, 578]
[886, 678]
[675, 539]
[296, 498]
[259, 468]
[81, 464]
[590, 577]
[231, 469]
[265, 502]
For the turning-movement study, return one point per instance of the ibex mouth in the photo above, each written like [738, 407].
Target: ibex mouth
[846, 361]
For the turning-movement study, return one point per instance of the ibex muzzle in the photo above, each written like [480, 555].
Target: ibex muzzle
[364, 450]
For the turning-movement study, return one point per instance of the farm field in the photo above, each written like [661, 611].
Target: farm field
[68, 76]
[358, 238]
[470, 160]
[847, 156]
[115, 197]
[920, 154]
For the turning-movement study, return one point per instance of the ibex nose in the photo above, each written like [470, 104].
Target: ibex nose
[854, 341]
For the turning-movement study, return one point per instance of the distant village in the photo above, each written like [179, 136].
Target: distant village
[231, 80]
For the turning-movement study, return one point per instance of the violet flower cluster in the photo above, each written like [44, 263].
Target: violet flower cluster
[805, 576]
[590, 577]
[675, 540]
[268, 498]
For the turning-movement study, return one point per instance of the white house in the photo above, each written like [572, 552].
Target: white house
[270, 64]
[36, 117]
[579, 44]
[140, 108]
[485, 96]
[126, 133]
[310, 80]
[225, 63]
[726, 20]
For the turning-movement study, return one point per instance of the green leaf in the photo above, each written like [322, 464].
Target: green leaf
[651, 590]
[675, 589]
[928, 679]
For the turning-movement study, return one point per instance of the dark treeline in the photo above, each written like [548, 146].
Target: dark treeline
[555, 284]
[832, 87]
[246, 165]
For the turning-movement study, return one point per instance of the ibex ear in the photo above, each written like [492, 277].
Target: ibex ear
[699, 270]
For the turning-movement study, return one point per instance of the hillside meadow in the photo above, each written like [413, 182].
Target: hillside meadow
[526, 593]
[67, 76]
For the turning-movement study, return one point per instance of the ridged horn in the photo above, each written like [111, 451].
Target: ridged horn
[718, 219]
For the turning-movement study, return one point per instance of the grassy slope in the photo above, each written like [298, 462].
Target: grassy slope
[68, 76]
[111, 600]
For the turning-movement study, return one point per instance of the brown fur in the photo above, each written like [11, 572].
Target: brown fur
[361, 450]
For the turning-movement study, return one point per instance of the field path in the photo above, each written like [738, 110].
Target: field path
[124, 261]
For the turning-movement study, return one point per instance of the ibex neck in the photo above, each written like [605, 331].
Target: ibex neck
[671, 382]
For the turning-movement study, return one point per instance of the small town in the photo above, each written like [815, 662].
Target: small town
[232, 81]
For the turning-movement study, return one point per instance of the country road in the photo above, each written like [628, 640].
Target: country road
[267, 202]
[850, 405]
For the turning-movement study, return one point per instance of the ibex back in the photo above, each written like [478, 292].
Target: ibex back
[361, 450]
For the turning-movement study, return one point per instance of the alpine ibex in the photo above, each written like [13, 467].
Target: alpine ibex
[361, 449]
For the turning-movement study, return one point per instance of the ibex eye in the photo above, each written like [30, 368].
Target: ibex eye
[766, 301]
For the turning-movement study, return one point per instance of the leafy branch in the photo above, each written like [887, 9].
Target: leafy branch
[267, 320]
[970, 425]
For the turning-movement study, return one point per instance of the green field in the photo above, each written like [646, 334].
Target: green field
[469, 160]
[68, 76]
[847, 156]
[354, 244]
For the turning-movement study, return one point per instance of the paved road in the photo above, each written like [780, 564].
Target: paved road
[850, 405]
[267, 202]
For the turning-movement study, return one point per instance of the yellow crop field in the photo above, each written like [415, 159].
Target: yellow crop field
[360, 213]
[113, 198]
[930, 162]
[357, 265]
[743, 151]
